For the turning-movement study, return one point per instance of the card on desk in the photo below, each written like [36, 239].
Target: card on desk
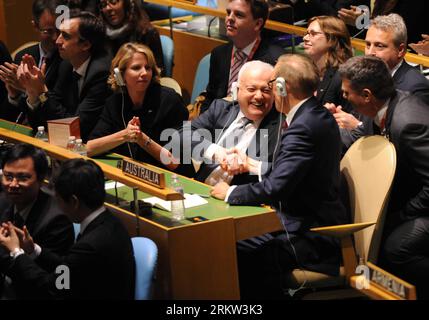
[191, 200]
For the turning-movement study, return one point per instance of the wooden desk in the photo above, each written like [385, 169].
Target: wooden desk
[196, 260]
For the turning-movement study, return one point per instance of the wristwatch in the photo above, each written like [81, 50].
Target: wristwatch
[43, 97]
[360, 125]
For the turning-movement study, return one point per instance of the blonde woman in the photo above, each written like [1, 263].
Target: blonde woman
[135, 116]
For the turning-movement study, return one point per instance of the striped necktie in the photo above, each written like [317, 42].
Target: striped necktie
[239, 60]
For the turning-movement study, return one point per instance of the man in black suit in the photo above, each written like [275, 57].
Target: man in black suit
[250, 120]
[302, 185]
[404, 119]
[386, 39]
[81, 88]
[244, 21]
[45, 52]
[100, 265]
[25, 202]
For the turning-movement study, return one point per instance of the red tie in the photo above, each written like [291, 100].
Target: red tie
[284, 126]
[239, 60]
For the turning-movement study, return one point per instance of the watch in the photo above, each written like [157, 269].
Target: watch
[43, 97]
[360, 125]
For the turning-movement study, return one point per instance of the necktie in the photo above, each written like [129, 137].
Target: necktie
[78, 237]
[284, 126]
[229, 141]
[18, 221]
[239, 60]
[75, 84]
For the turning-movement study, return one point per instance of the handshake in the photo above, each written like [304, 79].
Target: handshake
[234, 161]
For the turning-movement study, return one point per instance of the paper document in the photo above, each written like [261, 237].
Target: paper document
[191, 200]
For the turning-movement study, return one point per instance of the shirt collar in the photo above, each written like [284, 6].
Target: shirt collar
[396, 67]
[247, 49]
[381, 113]
[294, 109]
[83, 68]
[91, 218]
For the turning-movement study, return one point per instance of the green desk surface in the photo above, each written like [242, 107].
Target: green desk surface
[214, 209]
[17, 128]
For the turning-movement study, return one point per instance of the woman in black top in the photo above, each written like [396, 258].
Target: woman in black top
[132, 121]
[127, 22]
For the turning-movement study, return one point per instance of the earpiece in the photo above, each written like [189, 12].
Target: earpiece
[234, 90]
[118, 77]
[281, 87]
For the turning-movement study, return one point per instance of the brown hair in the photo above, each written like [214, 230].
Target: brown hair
[124, 55]
[338, 36]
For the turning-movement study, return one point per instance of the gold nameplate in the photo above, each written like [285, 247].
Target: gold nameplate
[143, 173]
[390, 283]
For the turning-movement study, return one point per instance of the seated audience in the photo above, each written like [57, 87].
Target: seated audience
[81, 87]
[404, 120]
[302, 185]
[44, 55]
[136, 115]
[31, 207]
[244, 21]
[100, 264]
[250, 124]
[127, 22]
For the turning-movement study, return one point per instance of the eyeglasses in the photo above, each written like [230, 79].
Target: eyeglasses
[20, 178]
[313, 33]
[103, 3]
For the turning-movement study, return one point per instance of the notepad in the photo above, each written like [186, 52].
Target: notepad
[191, 200]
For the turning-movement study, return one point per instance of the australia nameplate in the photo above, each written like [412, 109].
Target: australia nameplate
[143, 173]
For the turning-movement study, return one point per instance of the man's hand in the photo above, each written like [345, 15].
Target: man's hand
[345, 120]
[421, 47]
[236, 162]
[25, 240]
[32, 78]
[8, 237]
[219, 190]
[331, 107]
[349, 16]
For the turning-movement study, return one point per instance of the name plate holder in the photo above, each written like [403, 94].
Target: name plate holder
[143, 173]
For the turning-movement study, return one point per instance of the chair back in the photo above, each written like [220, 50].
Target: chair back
[145, 255]
[171, 83]
[22, 47]
[201, 77]
[369, 168]
[167, 45]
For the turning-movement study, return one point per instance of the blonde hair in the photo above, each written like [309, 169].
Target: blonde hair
[124, 55]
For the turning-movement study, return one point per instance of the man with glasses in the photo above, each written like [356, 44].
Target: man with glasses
[244, 22]
[81, 88]
[25, 202]
[43, 53]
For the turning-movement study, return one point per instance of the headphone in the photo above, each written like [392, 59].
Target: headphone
[234, 90]
[118, 77]
[281, 87]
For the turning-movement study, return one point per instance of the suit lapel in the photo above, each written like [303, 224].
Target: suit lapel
[227, 65]
[398, 77]
[36, 213]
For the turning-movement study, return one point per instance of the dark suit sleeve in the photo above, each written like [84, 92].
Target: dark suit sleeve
[291, 165]
[414, 140]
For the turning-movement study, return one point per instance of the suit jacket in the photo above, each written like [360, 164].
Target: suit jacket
[101, 265]
[303, 185]
[92, 97]
[407, 127]
[408, 78]
[4, 57]
[219, 117]
[47, 224]
[220, 64]
[11, 112]
[329, 90]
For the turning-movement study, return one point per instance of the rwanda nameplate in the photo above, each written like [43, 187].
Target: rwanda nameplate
[143, 173]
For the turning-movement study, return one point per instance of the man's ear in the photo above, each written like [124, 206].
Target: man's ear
[74, 202]
[34, 24]
[258, 24]
[367, 94]
[402, 50]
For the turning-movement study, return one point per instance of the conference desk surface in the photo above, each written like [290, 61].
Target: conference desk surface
[195, 260]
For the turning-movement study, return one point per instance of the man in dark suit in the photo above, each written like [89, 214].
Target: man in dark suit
[250, 124]
[100, 265]
[45, 52]
[302, 185]
[81, 88]
[404, 119]
[25, 202]
[386, 39]
[244, 21]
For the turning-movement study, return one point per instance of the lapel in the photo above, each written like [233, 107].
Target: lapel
[37, 213]
[398, 77]
[270, 123]
[95, 223]
[225, 59]
[390, 111]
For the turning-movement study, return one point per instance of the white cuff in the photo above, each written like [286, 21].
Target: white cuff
[36, 252]
[16, 253]
[230, 189]
[211, 151]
